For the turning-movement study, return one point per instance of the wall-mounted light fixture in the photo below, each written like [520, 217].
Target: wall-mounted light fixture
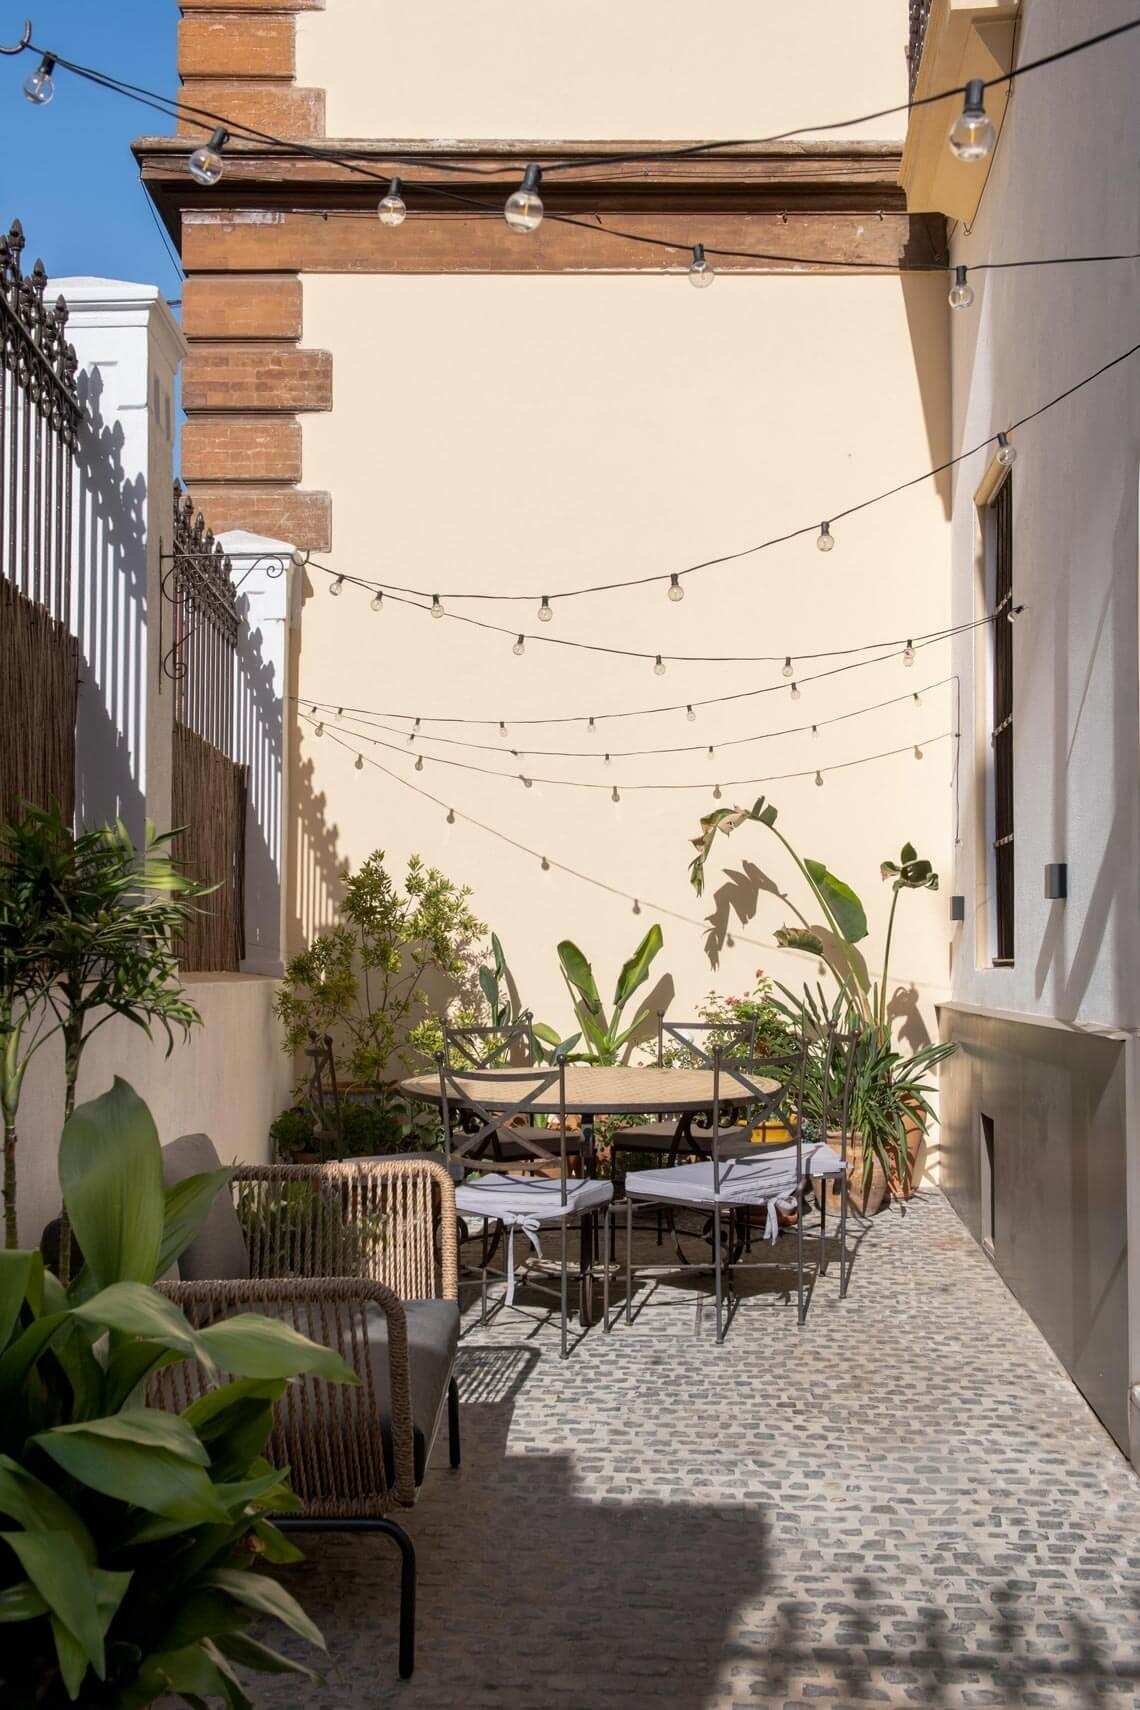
[1057, 881]
[957, 908]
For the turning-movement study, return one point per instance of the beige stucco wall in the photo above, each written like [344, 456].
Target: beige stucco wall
[644, 68]
[228, 1081]
[525, 434]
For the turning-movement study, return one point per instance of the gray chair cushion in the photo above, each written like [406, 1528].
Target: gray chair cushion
[217, 1252]
[433, 1336]
[537, 1199]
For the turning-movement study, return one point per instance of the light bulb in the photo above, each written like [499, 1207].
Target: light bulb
[607, 760]
[526, 782]
[815, 730]
[206, 164]
[359, 762]
[451, 816]
[318, 730]
[340, 712]
[502, 728]
[961, 294]
[908, 654]
[972, 133]
[825, 540]
[313, 709]
[795, 691]
[523, 210]
[545, 611]
[590, 725]
[614, 797]
[1014, 613]
[419, 762]
[659, 666]
[690, 715]
[716, 792]
[788, 669]
[392, 208]
[545, 865]
[709, 755]
[917, 699]
[1006, 453]
[39, 85]
[819, 779]
[300, 559]
[700, 273]
[917, 752]
[436, 608]
[676, 592]
[336, 585]
[376, 601]
[519, 648]
[636, 906]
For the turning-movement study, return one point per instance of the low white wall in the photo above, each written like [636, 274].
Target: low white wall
[229, 1080]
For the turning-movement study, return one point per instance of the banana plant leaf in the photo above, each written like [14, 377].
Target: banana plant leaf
[636, 970]
[849, 913]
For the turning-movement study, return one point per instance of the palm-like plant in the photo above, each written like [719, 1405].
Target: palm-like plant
[604, 1035]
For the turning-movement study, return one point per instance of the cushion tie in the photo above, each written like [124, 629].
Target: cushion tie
[530, 1227]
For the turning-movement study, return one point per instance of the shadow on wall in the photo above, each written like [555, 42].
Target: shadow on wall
[318, 871]
[260, 743]
[110, 618]
[928, 321]
[738, 895]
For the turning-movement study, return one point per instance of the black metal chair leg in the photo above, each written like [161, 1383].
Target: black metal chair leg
[407, 1595]
[844, 1263]
[628, 1259]
[565, 1348]
[719, 1290]
[453, 1446]
[823, 1227]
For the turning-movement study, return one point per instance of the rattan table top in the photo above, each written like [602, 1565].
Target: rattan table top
[592, 1090]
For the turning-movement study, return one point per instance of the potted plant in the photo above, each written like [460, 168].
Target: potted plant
[891, 1110]
[603, 1035]
[133, 1536]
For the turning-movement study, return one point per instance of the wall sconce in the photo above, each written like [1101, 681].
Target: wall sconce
[1057, 881]
[957, 908]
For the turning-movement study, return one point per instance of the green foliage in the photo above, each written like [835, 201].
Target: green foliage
[286, 1225]
[366, 982]
[773, 1036]
[604, 1036]
[129, 1535]
[89, 927]
[362, 1127]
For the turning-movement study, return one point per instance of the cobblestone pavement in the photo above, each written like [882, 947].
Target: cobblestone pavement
[904, 1502]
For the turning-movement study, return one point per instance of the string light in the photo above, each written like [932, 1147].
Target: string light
[607, 760]
[1014, 613]
[917, 752]
[614, 797]
[675, 593]
[825, 540]
[502, 728]
[788, 669]
[1006, 452]
[815, 730]
[419, 762]
[206, 165]
[377, 600]
[392, 208]
[659, 666]
[636, 906]
[39, 85]
[360, 762]
[451, 816]
[591, 726]
[545, 865]
[519, 647]
[545, 611]
[795, 691]
[336, 585]
[437, 610]
[972, 133]
[710, 753]
[318, 729]
[961, 294]
[690, 715]
[523, 211]
[819, 779]
[527, 783]
[700, 273]
[917, 699]
[908, 654]
[716, 792]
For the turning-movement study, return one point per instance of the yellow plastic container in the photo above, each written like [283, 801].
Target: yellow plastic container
[771, 1134]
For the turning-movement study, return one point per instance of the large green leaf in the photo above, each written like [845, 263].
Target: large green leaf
[636, 970]
[150, 1427]
[21, 1602]
[580, 977]
[136, 1310]
[19, 1270]
[266, 1597]
[847, 910]
[110, 1589]
[110, 1170]
[37, 1508]
[234, 1421]
[54, 1564]
[799, 938]
[187, 1206]
[250, 1345]
[191, 1673]
[156, 1479]
[251, 1653]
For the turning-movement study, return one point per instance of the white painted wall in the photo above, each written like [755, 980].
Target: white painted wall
[1063, 182]
[228, 1081]
[516, 434]
[588, 68]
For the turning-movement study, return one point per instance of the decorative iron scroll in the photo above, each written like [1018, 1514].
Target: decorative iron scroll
[200, 661]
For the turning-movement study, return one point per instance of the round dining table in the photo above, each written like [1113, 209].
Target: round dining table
[593, 1090]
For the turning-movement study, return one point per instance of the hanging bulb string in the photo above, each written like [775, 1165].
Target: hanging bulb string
[586, 784]
[373, 722]
[814, 528]
[351, 160]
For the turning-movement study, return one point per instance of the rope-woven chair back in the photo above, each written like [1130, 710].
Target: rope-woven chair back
[772, 1087]
[480, 1094]
[355, 1219]
[489, 1047]
[735, 1038]
[328, 1434]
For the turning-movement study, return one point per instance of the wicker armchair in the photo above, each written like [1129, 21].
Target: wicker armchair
[346, 1254]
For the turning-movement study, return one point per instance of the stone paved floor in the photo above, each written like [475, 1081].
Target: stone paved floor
[905, 1502]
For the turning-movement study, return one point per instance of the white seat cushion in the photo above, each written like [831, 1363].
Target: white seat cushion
[535, 1199]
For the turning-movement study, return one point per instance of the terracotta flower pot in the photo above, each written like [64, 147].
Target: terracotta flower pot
[866, 1201]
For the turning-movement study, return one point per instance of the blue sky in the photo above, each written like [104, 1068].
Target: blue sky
[69, 175]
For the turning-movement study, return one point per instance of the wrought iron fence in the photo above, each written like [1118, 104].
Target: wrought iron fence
[919, 19]
[209, 784]
[40, 416]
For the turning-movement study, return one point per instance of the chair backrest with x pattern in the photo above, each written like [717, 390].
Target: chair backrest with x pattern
[490, 1047]
[735, 1038]
[492, 1098]
[739, 1081]
[840, 1063]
